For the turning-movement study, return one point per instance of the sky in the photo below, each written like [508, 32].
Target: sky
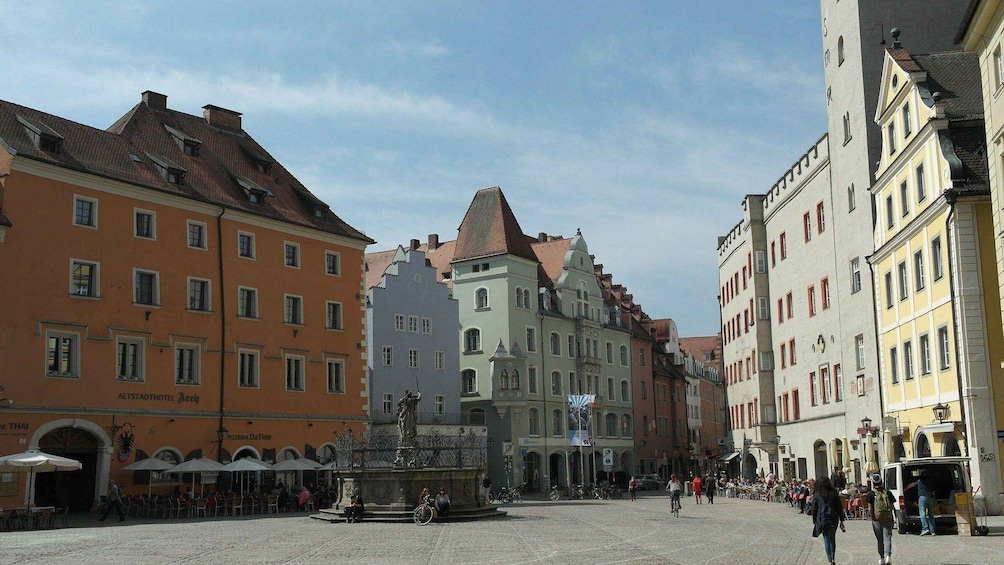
[641, 123]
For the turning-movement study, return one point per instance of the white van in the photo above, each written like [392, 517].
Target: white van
[947, 476]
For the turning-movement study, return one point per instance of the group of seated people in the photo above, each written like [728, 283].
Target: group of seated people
[355, 508]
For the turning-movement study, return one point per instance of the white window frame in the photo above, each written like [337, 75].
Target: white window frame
[480, 345]
[240, 304]
[855, 275]
[439, 360]
[554, 343]
[413, 358]
[918, 270]
[299, 258]
[299, 372]
[205, 234]
[908, 360]
[937, 265]
[944, 349]
[95, 278]
[427, 325]
[299, 310]
[413, 324]
[208, 295]
[153, 224]
[156, 288]
[254, 252]
[763, 308]
[624, 355]
[473, 381]
[94, 212]
[196, 353]
[338, 263]
[338, 324]
[859, 346]
[399, 322]
[336, 386]
[253, 379]
[440, 405]
[387, 356]
[388, 403]
[924, 350]
[480, 304]
[761, 262]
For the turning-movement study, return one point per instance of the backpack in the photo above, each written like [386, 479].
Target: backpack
[883, 508]
[826, 516]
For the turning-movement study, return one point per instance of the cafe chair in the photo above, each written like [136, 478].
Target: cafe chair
[273, 504]
[201, 507]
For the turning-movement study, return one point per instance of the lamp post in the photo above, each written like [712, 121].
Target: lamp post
[221, 434]
[940, 412]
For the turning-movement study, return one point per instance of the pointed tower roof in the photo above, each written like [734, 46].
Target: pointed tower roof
[500, 352]
[490, 228]
[516, 351]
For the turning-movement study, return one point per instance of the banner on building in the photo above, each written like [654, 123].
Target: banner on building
[580, 417]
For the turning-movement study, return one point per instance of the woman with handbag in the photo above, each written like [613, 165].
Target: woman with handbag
[827, 515]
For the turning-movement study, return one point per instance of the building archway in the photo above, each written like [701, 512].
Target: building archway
[246, 452]
[77, 490]
[556, 469]
[921, 446]
[950, 446]
[749, 466]
[532, 471]
[820, 467]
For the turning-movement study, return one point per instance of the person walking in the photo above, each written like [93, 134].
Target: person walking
[486, 489]
[925, 502]
[827, 515]
[880, 505]
[114, 501]
[697, 484]
[633, 488]
[709, 489]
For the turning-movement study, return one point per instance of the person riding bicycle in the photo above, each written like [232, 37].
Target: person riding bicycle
[675, 489]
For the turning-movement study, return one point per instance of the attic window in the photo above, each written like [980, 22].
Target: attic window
[263, 167]
[262, 164]
[254, 197]
[318, 213]
[42, 136]
[188, 144]
[171, 171]
[255, 193]
[191, 149]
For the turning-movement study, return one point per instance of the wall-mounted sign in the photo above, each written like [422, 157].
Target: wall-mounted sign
[250, 437]
[14, 428]
[180, 398]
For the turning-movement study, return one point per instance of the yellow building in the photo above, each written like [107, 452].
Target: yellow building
[934, 257]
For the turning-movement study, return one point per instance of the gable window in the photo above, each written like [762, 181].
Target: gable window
[186, 364]
[196, 235]
[198, 295]
[85, 212]
[472, 340]
[144, 224]
[294, 373]
[998, 69]
[468, 381]
[293, 309]
[245, 245]
[83, 278]
[906, 120]
[247, 302]
[334, 316]
[891, 138]
[481, 298]
[336, 376]
[145, 289]
[129, 359]
[292, 255]
[62, 355]
[248, 369]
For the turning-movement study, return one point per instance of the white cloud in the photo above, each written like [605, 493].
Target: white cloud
[417, 49]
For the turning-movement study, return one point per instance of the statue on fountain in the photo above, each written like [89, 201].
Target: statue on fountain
[407, 426]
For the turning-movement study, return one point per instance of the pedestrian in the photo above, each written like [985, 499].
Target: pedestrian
[828, 514]
[114, 501]
[633, 488]
[837, 478]
[697, 484]
[486, 488]
[709, 489]
[880, 505]
[925, 504]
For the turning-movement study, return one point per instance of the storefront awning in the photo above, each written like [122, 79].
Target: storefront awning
[728, 456]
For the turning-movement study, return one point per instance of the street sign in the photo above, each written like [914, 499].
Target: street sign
[608, 457]
[608, 468]
[506, 448]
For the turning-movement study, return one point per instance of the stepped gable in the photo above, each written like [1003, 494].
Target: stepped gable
[440, 258]
[490, 228]
[376, 265]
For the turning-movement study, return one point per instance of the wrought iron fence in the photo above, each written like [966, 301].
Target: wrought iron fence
[379, 450]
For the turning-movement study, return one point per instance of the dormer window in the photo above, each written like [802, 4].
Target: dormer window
[261, 163]
[263, 167]
[191, 149]
[188, 144]
[255, 193]
[171, 171]
[254, 198]
[42, 136]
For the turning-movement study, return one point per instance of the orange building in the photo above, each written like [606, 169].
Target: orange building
[168, 289]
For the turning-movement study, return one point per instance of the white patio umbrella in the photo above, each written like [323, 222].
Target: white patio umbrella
[151, 464]
[196, 466]
[246, 464]
[871, 466]
[301, 464]
[35, 461]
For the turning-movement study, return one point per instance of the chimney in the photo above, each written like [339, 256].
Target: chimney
[433, 241]
[541, 237]
[221, 117]
[155, 100]
[414, 244]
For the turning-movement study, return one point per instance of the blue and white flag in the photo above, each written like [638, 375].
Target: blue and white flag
[580, 415]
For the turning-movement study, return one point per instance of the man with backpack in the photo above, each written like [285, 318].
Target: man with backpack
[880, 505]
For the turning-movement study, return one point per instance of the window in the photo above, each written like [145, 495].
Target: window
[780, 310]
[557, 423]
[855, 275]
[625, 391]
[813, 389]
[891, 138]
[610, 388]
[186, 364]
[248, 369]
[570, 346]
[890, 215]
[481, 298]
[427, 325]
[641, 356]
[643, 391]
[83, 278]
[388, 356]
[903, 290]
[198, 295]
[292, 255]
[908, 360]
[556, 383]
[519, 297]
[789, 310]
[773, 254]
[925, 355]
[889, 292]
[820, 218]
[824, 378]
[333, 317]
[413, 324]
[293, 309]
[62, 355]
[859, 348]
[763, 308]
[795, 407]
[336, 376]
[784, 246]
[526, 299]
[472, 341]
[514, 380]
[840, 51]
[196, 235]
[439, 360]
[610, 353]
[85, 212]
[468, 381]
[936, 266]
[761, 262]
[944, 353]
[998, 69]
[791, 351]
[851, 200]
[555, 340]
[824, 292]
[894, 364]
[904, 199]
[811, 297]
[412, 358]
[531, 339]
[534, 422]
[624, 355]
[838, 378]
[906, 120]
[245, 245]
[294, 373]
[399, 322]
[129, 359]
[921, 189]
[807, 226]
[247, 302]
[847, 127]
[918, 270]
[611, 425]
[144, 224]
[388, 403]
[145, 291]
[531, 379]
[332, 263]
[767, 360]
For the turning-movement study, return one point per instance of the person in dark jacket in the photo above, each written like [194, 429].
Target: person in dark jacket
[828, 515]
[709, 489]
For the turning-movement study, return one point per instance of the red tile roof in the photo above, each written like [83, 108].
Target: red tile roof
[376, 266]
[698, 346]
[490, 228]
[551, 255]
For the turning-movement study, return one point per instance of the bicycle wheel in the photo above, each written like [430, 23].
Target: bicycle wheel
[555, 495]
[492, 497]
[517, 497]
[505, 497]
[422, 515]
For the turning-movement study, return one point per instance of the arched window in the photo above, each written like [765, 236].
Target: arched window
[557, 423]
[840, 51]
[468, 381]
[534, 419]
[166, 455]
[472, 340]
[625, 426]
[556, 383]
[519, 297]
[504, 380]
[526, 298]
[481, 298]
[624, 355]
[625, 391]
[514, 380]
[555, 343]
[611, 425]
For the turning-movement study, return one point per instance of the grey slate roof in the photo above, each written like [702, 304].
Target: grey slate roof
[956, 75]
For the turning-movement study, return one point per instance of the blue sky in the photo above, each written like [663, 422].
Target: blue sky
[642, 123]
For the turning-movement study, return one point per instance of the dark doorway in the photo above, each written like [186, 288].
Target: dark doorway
[76, 488]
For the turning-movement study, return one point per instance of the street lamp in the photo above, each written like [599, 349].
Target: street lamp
[940, 411]
[866, 427]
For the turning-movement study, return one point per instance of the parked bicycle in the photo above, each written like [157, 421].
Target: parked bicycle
[505, 495]
[424, 512]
